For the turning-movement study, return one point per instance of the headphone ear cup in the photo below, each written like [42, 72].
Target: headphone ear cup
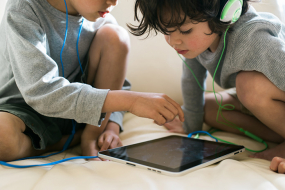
[231, 11]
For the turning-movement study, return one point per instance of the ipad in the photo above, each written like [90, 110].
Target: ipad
[172, 155]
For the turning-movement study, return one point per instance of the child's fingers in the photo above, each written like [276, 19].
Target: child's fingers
[159, 119]
[119, 143]
[281, 167]
[276, 161]
[169, 126]
[173, 110]
[101, 141]
[94, 159]
[115, 143]
[167, 114]
[178, 107]
[103, 159]
[107, 142]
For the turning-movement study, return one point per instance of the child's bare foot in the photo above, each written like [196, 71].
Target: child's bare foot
[278, 165]
[269, 154]
[276, 155]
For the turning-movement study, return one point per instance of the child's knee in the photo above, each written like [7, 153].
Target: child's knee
[249, 90]
[114, 36]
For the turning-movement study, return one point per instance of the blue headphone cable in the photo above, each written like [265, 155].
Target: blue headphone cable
[67, 143]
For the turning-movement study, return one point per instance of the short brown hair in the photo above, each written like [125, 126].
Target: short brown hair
[196, 10]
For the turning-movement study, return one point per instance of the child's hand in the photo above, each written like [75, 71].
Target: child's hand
[158, 107]
[278, 165]
[110, 137]
[175, 126]
[93, 140]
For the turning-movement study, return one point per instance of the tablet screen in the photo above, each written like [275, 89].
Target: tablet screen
[172, 153]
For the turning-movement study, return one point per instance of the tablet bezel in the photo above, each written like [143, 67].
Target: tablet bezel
[235, 149]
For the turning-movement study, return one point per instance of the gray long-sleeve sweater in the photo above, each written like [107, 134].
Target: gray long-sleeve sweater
[31, 38]
[257, 43]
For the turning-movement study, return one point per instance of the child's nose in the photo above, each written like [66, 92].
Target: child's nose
[112, 2]
[173, 40]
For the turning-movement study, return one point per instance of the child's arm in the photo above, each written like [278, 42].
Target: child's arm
[158, 107]
[117, 117]
[38, 81]
[193, 99]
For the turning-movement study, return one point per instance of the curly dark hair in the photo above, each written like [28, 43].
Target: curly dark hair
[197, 10]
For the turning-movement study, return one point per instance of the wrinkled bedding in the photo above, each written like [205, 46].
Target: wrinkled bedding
[239, 172]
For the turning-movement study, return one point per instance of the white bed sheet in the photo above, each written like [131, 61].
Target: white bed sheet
[239, 172]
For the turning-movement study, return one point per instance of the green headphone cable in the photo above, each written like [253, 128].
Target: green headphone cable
[228, 107]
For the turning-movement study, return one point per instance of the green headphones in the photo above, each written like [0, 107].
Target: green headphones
[231, 11]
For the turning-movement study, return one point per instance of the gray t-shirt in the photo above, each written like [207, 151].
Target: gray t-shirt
[31, 37]
[257, 43]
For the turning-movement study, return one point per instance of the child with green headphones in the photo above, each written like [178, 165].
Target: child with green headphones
[242, 49]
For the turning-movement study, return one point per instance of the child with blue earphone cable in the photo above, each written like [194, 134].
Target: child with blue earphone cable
[63, 82]
[243, 50]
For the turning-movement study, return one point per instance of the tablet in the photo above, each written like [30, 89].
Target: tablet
[172, 155]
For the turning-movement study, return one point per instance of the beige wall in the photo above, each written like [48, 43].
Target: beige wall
[153, 65]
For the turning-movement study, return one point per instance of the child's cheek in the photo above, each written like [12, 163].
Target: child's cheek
[192, 44]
